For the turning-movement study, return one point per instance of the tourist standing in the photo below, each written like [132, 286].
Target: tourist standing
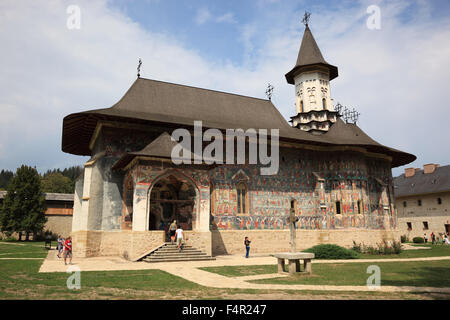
[172, 230]
[433, 238]
[179, 233]
[68, 250]
[60, 242]
[446, 241]
[247, 246]
[425, 237]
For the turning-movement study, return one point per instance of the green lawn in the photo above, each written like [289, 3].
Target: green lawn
[436, 250]
[20, 279]
[423, 273]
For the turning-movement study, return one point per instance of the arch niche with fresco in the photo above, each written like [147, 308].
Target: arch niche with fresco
[172, 197]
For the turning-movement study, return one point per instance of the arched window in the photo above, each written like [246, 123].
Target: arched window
[242, 198]
[324, 103]
[301, 105]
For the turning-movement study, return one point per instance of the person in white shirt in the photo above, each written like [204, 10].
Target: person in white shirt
[179, 234]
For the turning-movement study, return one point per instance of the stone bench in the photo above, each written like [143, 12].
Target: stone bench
[294, 261]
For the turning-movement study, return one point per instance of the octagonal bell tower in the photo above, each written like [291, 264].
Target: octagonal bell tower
[311, 76]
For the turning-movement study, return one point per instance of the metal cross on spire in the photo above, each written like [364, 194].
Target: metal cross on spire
[139, 68]
[305, 19]
[269, 91]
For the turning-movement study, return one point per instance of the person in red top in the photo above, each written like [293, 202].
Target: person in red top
[68, 250]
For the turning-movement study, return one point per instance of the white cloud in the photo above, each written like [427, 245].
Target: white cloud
[203, 15]
[227, 17]
[396, 77]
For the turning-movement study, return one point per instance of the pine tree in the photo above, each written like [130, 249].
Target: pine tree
[24, 205]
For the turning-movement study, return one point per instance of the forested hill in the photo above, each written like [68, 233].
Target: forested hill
[55, 180]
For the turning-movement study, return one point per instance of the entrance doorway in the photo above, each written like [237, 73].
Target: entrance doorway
[447, 228]
[172, 198]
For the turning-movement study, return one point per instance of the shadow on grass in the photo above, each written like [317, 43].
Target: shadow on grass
[420, 277]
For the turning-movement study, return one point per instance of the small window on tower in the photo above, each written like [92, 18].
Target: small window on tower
[324, 103]
[404, 204]
[419, 202]
[439, 200]
[409, 225]
[301, 106]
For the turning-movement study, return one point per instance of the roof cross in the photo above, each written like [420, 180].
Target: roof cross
[305, 19]
[139, 68]
[269, 91]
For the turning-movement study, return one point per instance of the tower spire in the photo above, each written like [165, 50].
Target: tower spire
[311, 76]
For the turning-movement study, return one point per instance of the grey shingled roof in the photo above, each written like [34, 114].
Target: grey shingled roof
[310, 55]
[421, 183]
[49, 196]
[161, 147]
[152, 102]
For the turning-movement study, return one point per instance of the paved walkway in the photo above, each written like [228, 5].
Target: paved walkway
[190, 270]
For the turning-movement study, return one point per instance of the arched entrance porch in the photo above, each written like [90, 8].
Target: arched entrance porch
[172, 197]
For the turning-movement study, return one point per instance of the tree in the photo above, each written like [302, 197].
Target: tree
[56, 182]
[5, 178]
[24, 204]
[72, 173]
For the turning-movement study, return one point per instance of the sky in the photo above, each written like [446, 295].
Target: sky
[396, 75]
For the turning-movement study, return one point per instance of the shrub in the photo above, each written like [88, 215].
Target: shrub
[381, 248]
[357, 247]
[418, 240]
[42, 236]
[332, 251]
[404, 238]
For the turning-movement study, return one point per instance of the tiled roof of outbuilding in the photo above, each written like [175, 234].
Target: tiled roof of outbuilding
[421, 183]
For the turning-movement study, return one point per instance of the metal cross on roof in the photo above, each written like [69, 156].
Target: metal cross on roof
[338, 108]
[139, 68]
[305, 19]
[269, 91]
[350, 116]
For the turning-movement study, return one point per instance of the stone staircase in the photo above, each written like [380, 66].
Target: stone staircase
[169, 253]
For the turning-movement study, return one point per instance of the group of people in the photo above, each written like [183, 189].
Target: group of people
[65, 248]
[444, 238]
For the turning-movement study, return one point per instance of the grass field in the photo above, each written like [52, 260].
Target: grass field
[418, 274]
[437, 250]
[20, 279]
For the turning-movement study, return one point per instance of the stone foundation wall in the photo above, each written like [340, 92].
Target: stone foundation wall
[127, 244]
[270, 241]
[199, 240]
[132, 244]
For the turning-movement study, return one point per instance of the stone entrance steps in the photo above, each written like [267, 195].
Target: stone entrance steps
[169, 253]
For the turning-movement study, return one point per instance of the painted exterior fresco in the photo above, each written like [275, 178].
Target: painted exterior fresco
[316, 180]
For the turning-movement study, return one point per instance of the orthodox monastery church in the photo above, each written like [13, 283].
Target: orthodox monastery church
[336, 178]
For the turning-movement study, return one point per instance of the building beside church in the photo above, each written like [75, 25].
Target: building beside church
[59, 212]
[422, 198]
[335, 176]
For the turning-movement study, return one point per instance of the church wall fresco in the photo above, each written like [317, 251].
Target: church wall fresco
[346, 179]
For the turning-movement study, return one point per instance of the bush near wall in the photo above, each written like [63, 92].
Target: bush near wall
[404, 238]
[384, 247]
[331, 251]
[418, 240]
